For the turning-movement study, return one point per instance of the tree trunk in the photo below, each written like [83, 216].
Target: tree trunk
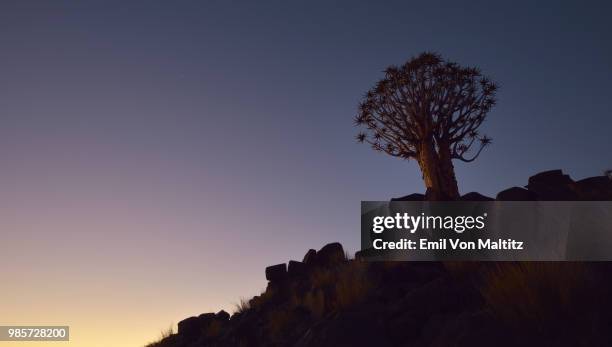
[438, 172]
[447, 172]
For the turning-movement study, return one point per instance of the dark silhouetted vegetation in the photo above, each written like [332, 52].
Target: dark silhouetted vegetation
[430, 110]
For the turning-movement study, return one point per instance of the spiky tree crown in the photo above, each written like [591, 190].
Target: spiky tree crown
[427, 98]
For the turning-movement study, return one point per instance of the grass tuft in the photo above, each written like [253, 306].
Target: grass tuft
[164, 334]
[242, 306]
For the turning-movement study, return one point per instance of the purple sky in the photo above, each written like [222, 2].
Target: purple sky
[156, 156]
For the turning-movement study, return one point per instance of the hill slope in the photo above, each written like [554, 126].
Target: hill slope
[329, 300]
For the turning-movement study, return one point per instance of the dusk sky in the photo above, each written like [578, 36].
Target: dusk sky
[156, 156]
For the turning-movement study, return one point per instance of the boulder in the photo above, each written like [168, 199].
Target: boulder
[190, 327]
[276, 273]
[411, 197]
[475, 196]
[296, 268]
[310, 257]
[552, 186]
[222, 316]
[555, 193]
[516, 194]
[330, 254]
[206, 318]
[554, 177]
[365, 254]
[598, 188]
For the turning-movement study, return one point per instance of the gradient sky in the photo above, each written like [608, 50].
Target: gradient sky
[156, 156]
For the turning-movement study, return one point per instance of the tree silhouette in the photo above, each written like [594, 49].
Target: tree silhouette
[430, 110]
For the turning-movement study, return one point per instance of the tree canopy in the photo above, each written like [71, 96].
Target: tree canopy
[427, 98]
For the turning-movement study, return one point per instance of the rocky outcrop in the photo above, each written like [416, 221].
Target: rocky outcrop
[310, 257]
[329, 300]
[199, 330]
[297, 268]
[595, 188]
[276, 273]
[248, 327]
[415, 304]
[330, 254]
[552, 185]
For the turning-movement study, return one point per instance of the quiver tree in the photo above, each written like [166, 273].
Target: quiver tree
[430, 110]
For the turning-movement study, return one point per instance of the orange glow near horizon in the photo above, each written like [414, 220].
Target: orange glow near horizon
[119, 288]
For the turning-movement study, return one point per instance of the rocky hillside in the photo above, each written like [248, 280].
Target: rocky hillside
[551, 185]
[329, 300]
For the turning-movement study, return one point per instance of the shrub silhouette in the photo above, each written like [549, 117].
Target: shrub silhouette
[430, 110]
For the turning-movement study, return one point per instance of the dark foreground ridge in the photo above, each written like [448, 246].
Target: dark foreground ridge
[329, 300]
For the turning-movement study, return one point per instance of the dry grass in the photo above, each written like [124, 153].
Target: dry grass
[242, 306]
[165, 333]
[325, 290]
[323, 277]
[534, 294]
[348, 256]
[352, 285]
[314, 302]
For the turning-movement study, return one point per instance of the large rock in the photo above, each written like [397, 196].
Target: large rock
[516, 194]
[552, 185]
[206, 318]
[310, 257]
[554, 177]
[330, 254]
[193, 327]
[362, 254]
[411, 197]
[222, 316]
[296, 268]
[597, 188]
[276, 273]
[475, 196]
